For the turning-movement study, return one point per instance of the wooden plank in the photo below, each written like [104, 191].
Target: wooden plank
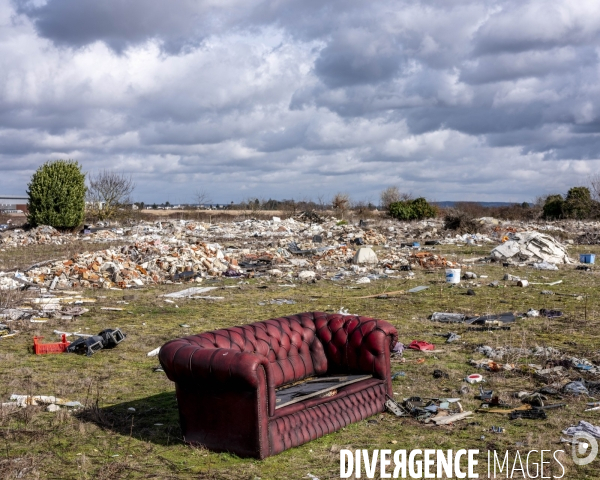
[291, 395]
[451, 418]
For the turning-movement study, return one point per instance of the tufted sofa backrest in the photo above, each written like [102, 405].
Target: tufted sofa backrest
[355, 343]
[289, 343]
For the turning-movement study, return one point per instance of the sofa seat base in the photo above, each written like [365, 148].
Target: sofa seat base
[305, 421]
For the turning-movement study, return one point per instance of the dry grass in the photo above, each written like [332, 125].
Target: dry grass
[105, 440]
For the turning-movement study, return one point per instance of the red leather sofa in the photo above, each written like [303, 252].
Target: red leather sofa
[226, 380]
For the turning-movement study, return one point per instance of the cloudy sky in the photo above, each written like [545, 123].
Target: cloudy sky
[491, 100]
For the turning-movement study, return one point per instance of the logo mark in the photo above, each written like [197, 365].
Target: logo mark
[585, 449]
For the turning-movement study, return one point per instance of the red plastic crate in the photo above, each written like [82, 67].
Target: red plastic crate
[43, 348]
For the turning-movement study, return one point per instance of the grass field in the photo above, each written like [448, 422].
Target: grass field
[106, 441]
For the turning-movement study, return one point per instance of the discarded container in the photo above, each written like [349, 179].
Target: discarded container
[474, 378]
[522, 283]
[453, 275]
[43, 348]
[416, 245]
[587, 258]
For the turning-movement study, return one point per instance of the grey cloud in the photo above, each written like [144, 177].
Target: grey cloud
[358, 56]
[286, 98]
[177, 24]
[537, 25]
[535, 64]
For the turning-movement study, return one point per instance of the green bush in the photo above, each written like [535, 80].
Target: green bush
[554, 207]
[57, 195]
[416, 209]
[578, 203]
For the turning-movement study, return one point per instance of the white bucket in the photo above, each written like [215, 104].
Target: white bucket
[453, 275]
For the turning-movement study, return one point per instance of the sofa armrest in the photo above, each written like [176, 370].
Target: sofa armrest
[183, 361]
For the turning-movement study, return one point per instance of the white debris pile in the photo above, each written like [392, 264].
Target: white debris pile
[133, 265]
[42, 235]
[8, 281]
[533, 247]
[52, 403]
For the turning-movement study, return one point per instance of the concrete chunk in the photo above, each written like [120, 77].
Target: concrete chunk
[365, 255]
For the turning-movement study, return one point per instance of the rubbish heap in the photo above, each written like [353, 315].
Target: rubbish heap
[42, 235]
[139, 264]
[308, 248]
[531, 247]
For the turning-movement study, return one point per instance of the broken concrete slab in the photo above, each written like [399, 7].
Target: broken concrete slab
[364, 255]
[533, 247]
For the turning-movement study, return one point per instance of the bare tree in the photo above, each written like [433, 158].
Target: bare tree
[594, 186]
[321, 202]
[340, 203]
[201, 198]
[392, 195]
[108, 193]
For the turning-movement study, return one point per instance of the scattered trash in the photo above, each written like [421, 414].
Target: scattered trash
[576, 388]
[398, 349]
[545, 266]
[533, 414]
[153, 353]
[6, 331]
[421, 345]
[26, 400]
[583, 427]
[450, 336]
[417, 289]
[394, 407]
[497, 319]
[587, 258]
[445, 420]
[474, 378]
[108, 338]
[45, 348]
[550, 313]
[453, 275]
[307, 275]
[190, 292]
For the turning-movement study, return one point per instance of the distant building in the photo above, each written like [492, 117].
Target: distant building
[13, 203]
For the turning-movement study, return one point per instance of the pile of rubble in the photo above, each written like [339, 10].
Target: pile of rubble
[307, 248]
[139, 264]
[42, 235]
[531, 247]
